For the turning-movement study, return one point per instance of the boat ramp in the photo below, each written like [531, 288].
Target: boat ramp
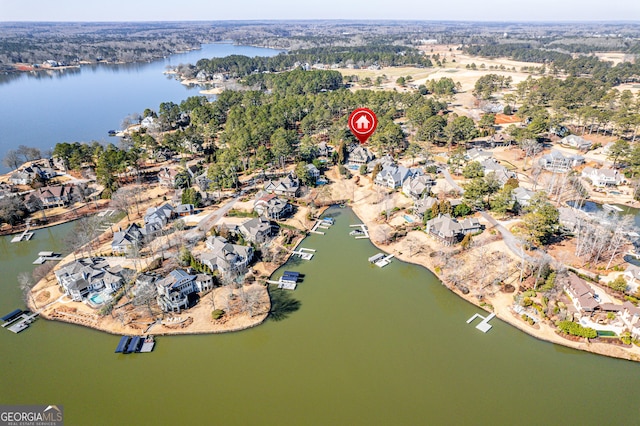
[381, 260]
[135, 344]
[483, 325]
[44, 256]
[361, 233]
[18, 320]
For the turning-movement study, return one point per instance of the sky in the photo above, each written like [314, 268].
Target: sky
[210, 10]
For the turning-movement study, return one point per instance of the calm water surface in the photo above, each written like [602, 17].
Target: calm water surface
[82, 105]
[368, 346]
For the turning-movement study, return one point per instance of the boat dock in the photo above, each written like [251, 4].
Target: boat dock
[25, 236]
[324, 223]
[135, 344]
[304, 253]
[381, 260]
[18, 320]
[44, 256]
[484, 325]
[364, 232]
[147, 344]
[288, 281]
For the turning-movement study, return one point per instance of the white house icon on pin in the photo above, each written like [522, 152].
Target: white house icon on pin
[362, 123]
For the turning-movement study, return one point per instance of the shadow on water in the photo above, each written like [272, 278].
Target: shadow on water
[283, 303]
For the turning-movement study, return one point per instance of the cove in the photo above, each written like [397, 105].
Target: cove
[82, 105]
[368, 346]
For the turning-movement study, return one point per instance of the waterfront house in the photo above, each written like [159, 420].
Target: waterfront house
[53, 196]
[580, 294]
[289, 186]
[630, 315]
[417, 185]
[272, 207]
[421, 206]
[20, 178]
[358, 155]
[576, 142]
[449, 231]
[556, 162]
[226, 257]
[128, 240]
[258, 230]
[602, 177]
[175, 288]
[82, 276]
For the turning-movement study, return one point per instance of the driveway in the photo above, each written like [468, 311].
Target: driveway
[213, 217]
[451, 182]
[509, 239]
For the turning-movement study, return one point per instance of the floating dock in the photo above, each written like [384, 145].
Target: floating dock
[128, 345]
[288, 281]
[484, 325]
[18, 320]
[304, 253]
[381, 260]
[364, 232]
[25, 236]
[148, 344]
[324, 223]
[44, 256]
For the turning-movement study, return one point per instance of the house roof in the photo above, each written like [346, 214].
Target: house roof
[445, 226]
[256, 226]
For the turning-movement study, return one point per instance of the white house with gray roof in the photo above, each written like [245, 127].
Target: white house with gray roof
[417, 185]
[394, 176]
[83, 276]
[556, 162]
[448, 230]
[602, 177]
[226, 257]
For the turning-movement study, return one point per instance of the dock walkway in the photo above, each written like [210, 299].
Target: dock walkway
[363, 229]
[483, 325]
[25, 236]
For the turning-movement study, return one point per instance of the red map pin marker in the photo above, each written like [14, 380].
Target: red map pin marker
[363, 123]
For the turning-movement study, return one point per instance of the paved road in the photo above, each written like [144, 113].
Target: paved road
[213, 217]
[509, 239]
[451, 182]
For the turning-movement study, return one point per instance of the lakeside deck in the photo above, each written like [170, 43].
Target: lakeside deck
[45, 256]
[304, 253]
[381, 260]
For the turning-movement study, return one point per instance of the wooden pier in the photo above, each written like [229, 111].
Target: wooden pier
[484, 325]
[363, 229]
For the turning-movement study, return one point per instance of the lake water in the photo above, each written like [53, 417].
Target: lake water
[368, 346]
[83, 104]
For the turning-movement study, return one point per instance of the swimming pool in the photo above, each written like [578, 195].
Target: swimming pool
[408, 218]
[96, 299]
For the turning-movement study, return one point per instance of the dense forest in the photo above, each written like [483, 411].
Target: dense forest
[241, 66]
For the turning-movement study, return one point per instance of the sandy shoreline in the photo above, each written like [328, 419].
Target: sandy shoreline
[499, 303]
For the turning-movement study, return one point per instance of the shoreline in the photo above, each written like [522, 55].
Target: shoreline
[502, 301]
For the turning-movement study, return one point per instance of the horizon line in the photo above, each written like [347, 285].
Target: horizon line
[276, 20]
